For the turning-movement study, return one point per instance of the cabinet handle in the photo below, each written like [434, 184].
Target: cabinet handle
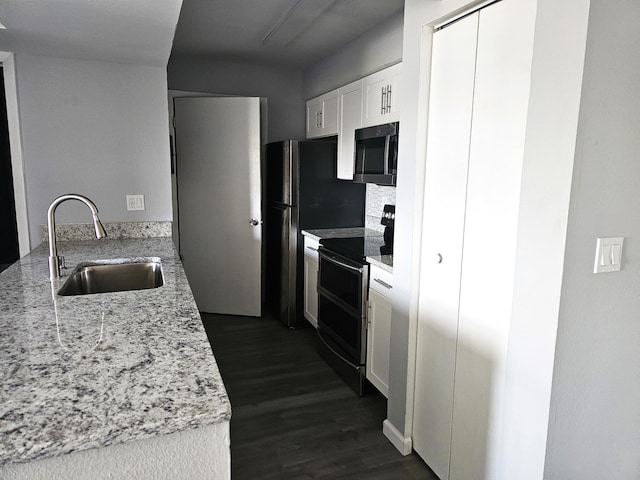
[388, 98]
[320, 122]
[312, 249]
[383, 100]
[383, 283]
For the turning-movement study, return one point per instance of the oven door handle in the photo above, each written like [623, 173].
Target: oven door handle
[337, 354]
[334, 259]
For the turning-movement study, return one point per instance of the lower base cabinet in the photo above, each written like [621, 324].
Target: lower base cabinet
[379, 328]
[311, 280]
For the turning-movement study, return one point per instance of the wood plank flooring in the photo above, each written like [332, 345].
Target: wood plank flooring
[292, 416]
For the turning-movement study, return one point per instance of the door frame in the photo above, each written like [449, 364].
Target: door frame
[7, 59]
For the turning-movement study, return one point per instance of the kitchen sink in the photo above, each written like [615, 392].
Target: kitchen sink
[104, 276]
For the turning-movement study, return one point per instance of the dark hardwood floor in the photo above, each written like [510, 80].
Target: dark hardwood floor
[292, 416]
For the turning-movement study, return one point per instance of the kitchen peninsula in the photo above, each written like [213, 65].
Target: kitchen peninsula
[112, 385]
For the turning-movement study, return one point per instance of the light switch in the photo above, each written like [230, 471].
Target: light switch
[608, 254]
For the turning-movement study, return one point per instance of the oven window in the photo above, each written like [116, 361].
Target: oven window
[341, 325]
[342, 283]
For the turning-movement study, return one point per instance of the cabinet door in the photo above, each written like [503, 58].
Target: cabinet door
[314, 116]
[379, 330]
[381, 96]
[311, 281]
[451, 100]
[330, 114]
[374, 89]
[350, 109]
[322, 115]
[393, 93]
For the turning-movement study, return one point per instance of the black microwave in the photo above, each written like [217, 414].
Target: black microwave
[376, 154]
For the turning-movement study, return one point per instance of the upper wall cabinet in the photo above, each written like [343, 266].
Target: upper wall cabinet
[381, 96]
[322, 115]
[350, 118]
[373, 100]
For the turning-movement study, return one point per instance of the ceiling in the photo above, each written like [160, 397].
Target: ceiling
[289, 33]
[125, 31]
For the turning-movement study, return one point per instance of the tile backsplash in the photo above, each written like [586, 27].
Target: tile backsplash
[377, 197]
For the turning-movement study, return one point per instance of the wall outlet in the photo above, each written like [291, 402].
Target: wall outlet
[135, 202]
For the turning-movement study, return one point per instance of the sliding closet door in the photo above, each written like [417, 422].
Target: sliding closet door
[450, 110]
[501, 98]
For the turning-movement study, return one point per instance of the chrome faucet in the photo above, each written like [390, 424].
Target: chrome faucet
[55, 261]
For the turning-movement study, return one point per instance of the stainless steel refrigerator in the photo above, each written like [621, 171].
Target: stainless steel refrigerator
[302, 193]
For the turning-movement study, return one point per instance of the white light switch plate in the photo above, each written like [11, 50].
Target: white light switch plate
[135, 202]
[608, 254]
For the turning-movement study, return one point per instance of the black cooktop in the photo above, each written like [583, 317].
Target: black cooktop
[358, 248]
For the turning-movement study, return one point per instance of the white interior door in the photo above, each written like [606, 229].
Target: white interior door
[219, 201]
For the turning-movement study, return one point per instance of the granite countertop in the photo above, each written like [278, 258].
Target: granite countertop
[320, 233]
[383, 261]
[89, 371]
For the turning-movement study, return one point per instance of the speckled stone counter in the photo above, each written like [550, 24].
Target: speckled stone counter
[320, 233]
[383, 261]
[90, 371]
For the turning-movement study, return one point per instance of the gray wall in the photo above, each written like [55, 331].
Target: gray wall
[94, 128]
[281, 87]
[378, 48]
[594, 430]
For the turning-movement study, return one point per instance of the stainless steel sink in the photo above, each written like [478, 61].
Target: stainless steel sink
[113, 276]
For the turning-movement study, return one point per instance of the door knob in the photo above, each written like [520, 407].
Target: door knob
[254, 222]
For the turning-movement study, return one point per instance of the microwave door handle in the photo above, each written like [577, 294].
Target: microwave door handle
[386, 154]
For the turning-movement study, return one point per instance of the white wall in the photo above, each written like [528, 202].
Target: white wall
[281, 87]
[594, 429]
[378, 48]
[93, 128]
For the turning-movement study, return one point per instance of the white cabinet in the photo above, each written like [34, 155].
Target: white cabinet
[322, 115]
[479, 98]
[350, 118]
[379, 328]
[381, 96]
[311, 280]
[373, 100]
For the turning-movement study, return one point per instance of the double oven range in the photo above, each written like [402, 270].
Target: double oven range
[343, 285]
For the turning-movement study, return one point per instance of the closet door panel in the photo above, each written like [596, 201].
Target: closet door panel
[450, 110]
[501, 95]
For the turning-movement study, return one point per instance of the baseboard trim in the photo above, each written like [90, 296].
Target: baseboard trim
[402, 443]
